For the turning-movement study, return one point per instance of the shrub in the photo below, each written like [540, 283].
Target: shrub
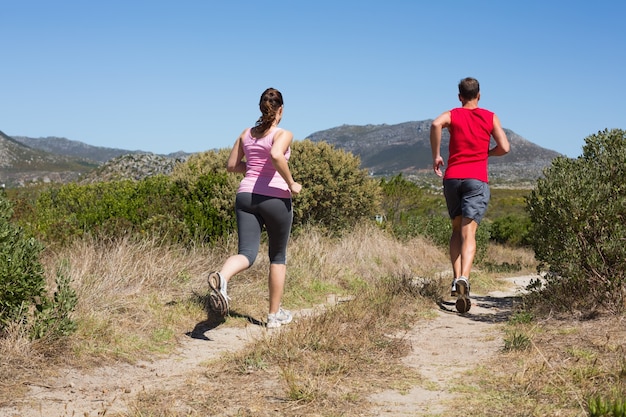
[511, 229]
[336, 192]
[22, 283]
[23, 295]
[52, 317]
[401, 197]
[207, 209]
[112, 208]
[578, 214]
[196, 201]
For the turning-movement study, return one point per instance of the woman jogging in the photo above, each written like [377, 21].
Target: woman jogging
[263, 200]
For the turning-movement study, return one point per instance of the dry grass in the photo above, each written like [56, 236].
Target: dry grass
[330, 362]
[566, 363]
[129, 296]
[137, 298]
[326, 363]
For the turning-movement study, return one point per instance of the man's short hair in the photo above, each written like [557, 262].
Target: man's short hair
[469, 88]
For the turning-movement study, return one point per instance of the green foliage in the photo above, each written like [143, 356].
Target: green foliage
[401, 197]
[516, 341]
[607, 407]
[208, 193]
[507, 202]
[207, 210]
[52, 317]
[22, 283]
[511, 229]
[578, 215]
[521, 317]
[336, 192]
[197, 200]
[152, 205]
[23, 295]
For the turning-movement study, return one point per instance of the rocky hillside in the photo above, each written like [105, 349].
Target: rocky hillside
[383, 149]
[25, 161]
[21, 165]
[135, 166]
[72, 148]
[405, 147]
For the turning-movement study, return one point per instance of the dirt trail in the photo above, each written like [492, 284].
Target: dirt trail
[445, 347]
[442, 348]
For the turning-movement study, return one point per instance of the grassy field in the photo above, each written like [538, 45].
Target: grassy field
[136, 298]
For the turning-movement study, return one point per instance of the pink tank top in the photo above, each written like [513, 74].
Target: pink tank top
[261, 176]
[470, 134]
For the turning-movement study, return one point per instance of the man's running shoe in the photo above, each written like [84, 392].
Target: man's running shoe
[462, 287]
[278, 319]
[463, 302]
[453, 288]
[218, 298]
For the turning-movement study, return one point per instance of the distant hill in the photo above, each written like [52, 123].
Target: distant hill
[383, 150]
[405, 147]
[72, 148]
[76, 149]
[25, 160]
[21, 164]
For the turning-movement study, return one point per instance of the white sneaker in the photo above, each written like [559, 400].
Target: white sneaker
[463, 303]
[463, 287]
[453, 288]
[278, 319]
[218, 298]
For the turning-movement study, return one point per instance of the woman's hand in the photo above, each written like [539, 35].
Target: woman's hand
[295, 188]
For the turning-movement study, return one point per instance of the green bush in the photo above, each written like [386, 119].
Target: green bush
[52, 317]
[336, 192]
[208, 208]
[197, 200]
[511, 229]
[22, 283]
[114, 208]
[23, 295]
[401, 198]
[578, 215]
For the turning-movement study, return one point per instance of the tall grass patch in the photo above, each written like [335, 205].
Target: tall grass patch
[553, 367]
[331, 360]
[128, 293]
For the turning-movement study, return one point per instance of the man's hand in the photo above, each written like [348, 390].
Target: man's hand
[437, 164]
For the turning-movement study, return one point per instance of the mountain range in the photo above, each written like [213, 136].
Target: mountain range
[383, 150]
[405, 148]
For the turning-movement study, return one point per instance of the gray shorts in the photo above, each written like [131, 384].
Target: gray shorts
[467, 198]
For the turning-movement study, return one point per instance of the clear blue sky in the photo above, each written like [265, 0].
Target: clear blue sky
[164, 76]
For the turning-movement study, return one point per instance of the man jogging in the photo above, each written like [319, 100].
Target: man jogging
[465, 183]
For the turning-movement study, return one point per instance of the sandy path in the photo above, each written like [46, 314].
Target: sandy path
[436, 345]
[445, 347]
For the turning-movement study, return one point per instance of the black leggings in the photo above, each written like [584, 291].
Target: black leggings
[254, 211]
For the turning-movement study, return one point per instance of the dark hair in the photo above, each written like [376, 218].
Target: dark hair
[469, 88]
[270, 102]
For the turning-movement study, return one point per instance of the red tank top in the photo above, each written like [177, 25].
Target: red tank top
[470, 134]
